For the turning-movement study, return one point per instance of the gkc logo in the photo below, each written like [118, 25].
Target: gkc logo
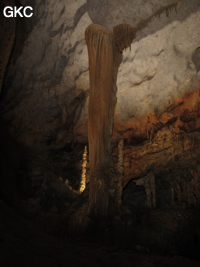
[13, 12]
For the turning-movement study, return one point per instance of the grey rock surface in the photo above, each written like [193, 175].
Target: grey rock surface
[46, 96]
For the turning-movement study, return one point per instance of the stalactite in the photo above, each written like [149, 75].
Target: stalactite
[167, 10]
[124, 35]
[84, 170]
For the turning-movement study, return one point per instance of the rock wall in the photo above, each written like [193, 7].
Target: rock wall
[7, 35]
[46, 90]
[160, 67]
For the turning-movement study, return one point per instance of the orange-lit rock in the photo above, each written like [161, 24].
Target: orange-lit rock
[160, 142]
[183, 114]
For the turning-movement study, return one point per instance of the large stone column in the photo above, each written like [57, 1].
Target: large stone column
[104, 60]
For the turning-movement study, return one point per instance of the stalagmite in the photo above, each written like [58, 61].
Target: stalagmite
[82, 185]
[84, 170]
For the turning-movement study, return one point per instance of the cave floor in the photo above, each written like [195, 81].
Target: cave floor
[22, 243]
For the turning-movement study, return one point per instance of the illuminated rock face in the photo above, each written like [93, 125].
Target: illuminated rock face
[47, 87]
[158, 69]
[46, 91]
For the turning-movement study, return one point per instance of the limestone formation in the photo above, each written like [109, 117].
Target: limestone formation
[134, 102]
[104, 60]
[62, 80]
[84, 170]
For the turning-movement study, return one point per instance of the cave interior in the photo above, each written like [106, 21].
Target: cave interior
[100, 133]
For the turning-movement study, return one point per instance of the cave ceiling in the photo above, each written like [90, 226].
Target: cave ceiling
[46, 89]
